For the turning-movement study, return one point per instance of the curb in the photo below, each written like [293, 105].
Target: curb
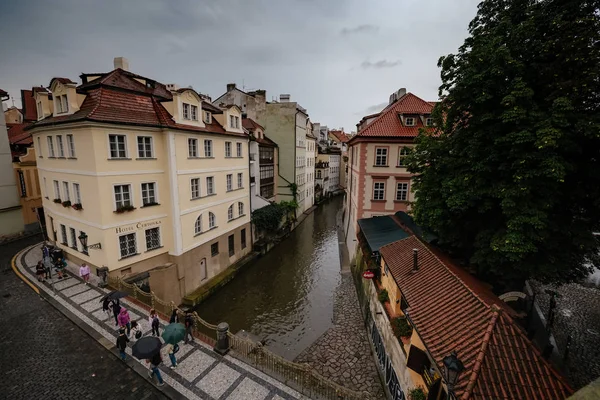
[167, 390]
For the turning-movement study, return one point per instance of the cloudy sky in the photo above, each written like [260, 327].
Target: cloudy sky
[340, 59]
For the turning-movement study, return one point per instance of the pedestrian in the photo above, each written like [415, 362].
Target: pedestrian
[154, 322]
[122, 341]
[48, 265]
[40, 271]
[107, 307]
[155, 362]
[116, 308]
[174, 317]
[189, 325]
[171, 350]
[124, 320]
[60, 265]
[136, 330]
[84, 273]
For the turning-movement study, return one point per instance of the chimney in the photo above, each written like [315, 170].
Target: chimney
[230, 87]
[401, 92]
[121, 62]
[284, 98]
[415, 260]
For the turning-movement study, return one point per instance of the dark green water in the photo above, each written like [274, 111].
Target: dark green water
[286, 297]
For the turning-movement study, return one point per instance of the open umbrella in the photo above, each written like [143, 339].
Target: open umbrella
[114, 295]
[174, 333]
[146, 347]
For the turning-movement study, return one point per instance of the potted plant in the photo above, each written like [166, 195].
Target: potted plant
[417, 394]
[126, 208]
[402, 329]
[150, 204]
[57, 201]
[66, 203]
[383, 296]
[77, 206]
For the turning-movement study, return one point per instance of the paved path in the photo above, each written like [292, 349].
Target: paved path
[201, 373]
[45, 356]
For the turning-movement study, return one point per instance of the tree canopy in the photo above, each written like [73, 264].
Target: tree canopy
[510, 178]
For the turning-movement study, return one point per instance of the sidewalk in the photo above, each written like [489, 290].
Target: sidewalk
[201, 373]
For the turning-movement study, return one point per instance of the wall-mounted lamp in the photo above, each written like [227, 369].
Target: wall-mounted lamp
[83, 239]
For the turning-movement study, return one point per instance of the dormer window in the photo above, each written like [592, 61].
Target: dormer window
[150, 84]
[190, 112]
[207, 117]
[234, 121]
[194, 110]
[409, 121]
[428, 121]
[61, 104]
[40, 110]
[186, 111]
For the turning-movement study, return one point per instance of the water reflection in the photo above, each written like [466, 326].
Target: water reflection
[286, 297]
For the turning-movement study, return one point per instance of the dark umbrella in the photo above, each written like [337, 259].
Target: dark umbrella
[146, 347]
[114, 295]
[174, 333]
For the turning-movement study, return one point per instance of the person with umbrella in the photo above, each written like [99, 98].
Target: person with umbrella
[116, 307]
[172, 335]
[148, 348]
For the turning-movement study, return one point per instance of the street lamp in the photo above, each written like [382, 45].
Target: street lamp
[83, 239]
[453, 367]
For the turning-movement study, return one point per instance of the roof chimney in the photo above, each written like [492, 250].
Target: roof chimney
[415, 260]
[121, 62]
[230, 87]
[284, 98]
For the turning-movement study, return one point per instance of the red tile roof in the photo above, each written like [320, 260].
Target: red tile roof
[61, 80]
[126, 80]
[251, 124]
[340, 136]
[29, 106]
[449, 314]
[17, 134]
[388, 123]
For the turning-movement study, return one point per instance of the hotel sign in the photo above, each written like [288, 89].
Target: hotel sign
[138, 226]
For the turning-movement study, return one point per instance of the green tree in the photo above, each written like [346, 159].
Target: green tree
[510, 178]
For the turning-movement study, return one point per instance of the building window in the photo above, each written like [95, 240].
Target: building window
[212, 220]
[122, 196]
[39, 147]
[145, 147]
[240, 208]
[152, 239]
[63, 235]
[238, 147]
[231, 245]
[40, 113]
[203, 272]
[381, 156]
[192, 148]
[404, 151]
[195, 187]
[240, 180]
[409, 121]
[148, 193]
[194, 110]
[76, 193]
[210, 185]
[66, 191]
[62, 106]
[243, 232]
[229, 182]
[118, 147]
[73, 238]
[230, 213]
[227, 149]
[127, 245]
[198, 225]
[208, 148]
[379, 191]
[428, 121]
[266, 154]
[267, 191]
[186, 111]
[231, 122]
[214, 249]
[61, 146]
[71, 146]
[402, 191]
[56, 190]
[207, 118]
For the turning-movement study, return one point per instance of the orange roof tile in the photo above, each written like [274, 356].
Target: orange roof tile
[450, 314]
[340, 136]
[17, 134]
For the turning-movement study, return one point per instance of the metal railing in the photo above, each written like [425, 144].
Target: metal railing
[301, 377]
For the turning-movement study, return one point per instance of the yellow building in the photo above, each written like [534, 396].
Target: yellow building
[154, 177]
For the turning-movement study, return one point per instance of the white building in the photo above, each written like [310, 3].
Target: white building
[311, 154]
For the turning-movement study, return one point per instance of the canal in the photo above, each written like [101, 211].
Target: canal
[286, 297]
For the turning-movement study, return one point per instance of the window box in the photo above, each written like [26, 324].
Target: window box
[66, 203]
[150, 204]
[77, 206]
[57, 201]
[123, 209]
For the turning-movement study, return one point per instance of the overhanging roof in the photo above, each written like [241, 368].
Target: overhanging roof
[379, 231]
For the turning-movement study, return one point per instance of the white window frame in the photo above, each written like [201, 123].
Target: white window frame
[64, 103]
[76, 193]
[40, 110]
[210, 185]
[154, 190]
[378, 189]
[231, 119]
[71, 145]
[239, 149]
[192, 148]
[383, 157]
[429, 121]
[227, 149]
[403, 191]
[208, 148]
[143, 153]
[412, 122]
[66, 191]
[116, 202]
[61, 146]
[240, 180]
[129, 254]
[195, 192]
[186, 111]
[118, 151]
[56, 185]
[39, 145]
[241, 209]
[193, 112]
[64, 235]
[212, 220]
[230, 213]
[198, 225]
[73, 237]
[159, 245]
[207, 117]
[403, 152]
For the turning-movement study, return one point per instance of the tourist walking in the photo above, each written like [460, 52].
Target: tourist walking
[154, 322]
[174, 317]
[84, 273]
[124, 320]
[136, 330]
[171, 350]
[189, 325]
[122, 341]
[48, 265]
[40, 271]
[107, 307]
[155, 362]
[116, 308]
[60, 265]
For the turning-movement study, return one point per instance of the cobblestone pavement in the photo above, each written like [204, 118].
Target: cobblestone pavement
[578, 315]
[46, 356]
[342, 353]
[200, 374]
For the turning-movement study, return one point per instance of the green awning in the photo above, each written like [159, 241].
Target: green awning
[379, 231]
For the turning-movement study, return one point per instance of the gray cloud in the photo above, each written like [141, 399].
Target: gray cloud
[380, 64]
[375, 108]
[365, 28]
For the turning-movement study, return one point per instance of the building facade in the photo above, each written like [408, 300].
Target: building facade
[263, 165]
[156, 178]
[378, 181]
[311, 156]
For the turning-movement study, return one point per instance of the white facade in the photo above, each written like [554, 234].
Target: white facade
[311, 153]
[334, 172]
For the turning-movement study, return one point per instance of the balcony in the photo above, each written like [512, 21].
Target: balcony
[266, 161]
[266, 181]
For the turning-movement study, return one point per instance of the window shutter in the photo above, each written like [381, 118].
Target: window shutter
[417, 360]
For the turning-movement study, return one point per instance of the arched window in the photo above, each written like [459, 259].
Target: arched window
[240, 208]
[198, 225]
[404, 151]
[230, 213]
[212, 221]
